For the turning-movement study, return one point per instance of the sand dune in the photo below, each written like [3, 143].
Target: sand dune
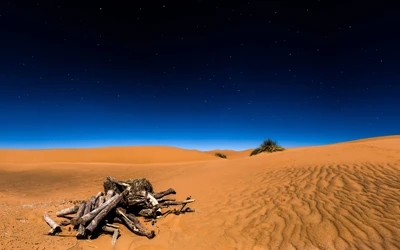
[136, 155]
[232, 154]
[340, 196]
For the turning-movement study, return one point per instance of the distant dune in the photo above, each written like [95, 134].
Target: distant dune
[132, 155]
[231, 154]
[338, 196]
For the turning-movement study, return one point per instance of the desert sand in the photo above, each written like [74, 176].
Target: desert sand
[339, 196]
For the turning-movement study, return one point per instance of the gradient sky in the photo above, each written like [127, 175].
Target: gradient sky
[196, 74]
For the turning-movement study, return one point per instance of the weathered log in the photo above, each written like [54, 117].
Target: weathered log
[88, 206]
[89, 216]
[81, 232]
[110, 193]
[70, 210]
[99, 217]
[164, 193]
[102, 199]
[65, 223]
[81, 228]
[99, 201]
[134, 228]
[94, 199]
[136, 222]
[55, 228]
[81, 211]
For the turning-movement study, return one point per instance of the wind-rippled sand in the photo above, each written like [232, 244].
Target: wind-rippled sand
[341, 196]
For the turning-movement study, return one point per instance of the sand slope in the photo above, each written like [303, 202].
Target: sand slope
[138, 154]
[341, 196]
[232, 154]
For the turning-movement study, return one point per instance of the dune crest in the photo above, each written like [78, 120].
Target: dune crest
[339, 196]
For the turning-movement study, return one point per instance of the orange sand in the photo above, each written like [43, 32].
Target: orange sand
[340, 196]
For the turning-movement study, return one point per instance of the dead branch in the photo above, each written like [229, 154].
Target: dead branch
[164, 193]
[113, 180]
[113, 231]
[55, 228]
[81, 228]
[89, 216]
[174, 203]
[112, 225]
[134, 228]
[96, 221]
[110, 193]
[70, 210]
[94, 199]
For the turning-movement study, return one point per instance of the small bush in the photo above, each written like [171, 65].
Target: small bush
[267, 146]
[220, 155]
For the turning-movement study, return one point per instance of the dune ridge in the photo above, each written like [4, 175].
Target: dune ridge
[339, 196]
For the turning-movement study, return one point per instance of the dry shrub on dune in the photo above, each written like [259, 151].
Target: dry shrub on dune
[268, 146]
[220, 155]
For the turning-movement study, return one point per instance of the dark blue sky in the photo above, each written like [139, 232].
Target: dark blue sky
[196, 74]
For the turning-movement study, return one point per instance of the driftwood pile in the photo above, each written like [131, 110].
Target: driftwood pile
[121, 202]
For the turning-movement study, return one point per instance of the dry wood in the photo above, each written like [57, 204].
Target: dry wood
[136, 229]
[99, 201]
[94, 199]
[108, 229]
[89, 216]
[110, 193]
[100, 211]
[81, 210]
[136, 222]
[178, 212]
[164, 200]
[81, 228]
[153, 201]
[164, 193]
[117, 220]
[81, 232]
[70, 210]
[99, 217]
[65, 223]
[147, 212]
[88, 206]
[112, 225]
[113, 231]
[102, 199]
[137, 202]
[121, 183]
[55, 228]
[116, 234]
[173, 203]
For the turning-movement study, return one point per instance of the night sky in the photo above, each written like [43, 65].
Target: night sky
[197, 74]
